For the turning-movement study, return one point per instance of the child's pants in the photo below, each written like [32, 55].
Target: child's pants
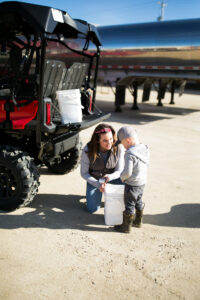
[133, 198]
[93, 196]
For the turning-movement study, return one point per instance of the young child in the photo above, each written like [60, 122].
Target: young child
[134, 176]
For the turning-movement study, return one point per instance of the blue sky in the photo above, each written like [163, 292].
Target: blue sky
[106, 12]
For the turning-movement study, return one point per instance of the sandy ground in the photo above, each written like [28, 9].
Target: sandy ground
[54, 249]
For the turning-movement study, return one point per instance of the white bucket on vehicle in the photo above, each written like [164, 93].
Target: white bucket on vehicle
[69, 102]
[114, 204]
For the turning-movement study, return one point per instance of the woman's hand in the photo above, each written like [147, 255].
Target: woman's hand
[103, 182]
[102, 187]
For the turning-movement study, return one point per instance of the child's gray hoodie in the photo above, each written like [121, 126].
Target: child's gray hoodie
[136, 164]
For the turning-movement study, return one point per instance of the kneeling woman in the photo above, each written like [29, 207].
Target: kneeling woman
[101, 162]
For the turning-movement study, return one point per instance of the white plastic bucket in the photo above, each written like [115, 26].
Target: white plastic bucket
[69, 102]
[113, 204]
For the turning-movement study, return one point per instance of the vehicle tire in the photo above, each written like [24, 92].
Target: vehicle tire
[69, 161]
[19, 178]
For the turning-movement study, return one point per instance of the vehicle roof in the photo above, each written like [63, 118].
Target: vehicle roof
[31, 18]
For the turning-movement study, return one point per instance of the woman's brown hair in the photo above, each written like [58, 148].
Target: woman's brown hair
[93, 145]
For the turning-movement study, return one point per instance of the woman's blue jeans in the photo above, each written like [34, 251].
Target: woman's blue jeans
[94, 196]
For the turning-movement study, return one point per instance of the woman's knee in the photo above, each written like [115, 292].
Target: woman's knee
[93, 199]
[92, 210]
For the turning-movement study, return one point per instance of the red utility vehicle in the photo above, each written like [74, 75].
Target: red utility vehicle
[31, 130]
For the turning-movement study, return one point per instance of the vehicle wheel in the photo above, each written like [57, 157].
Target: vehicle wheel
[68, 162]
[19, 178]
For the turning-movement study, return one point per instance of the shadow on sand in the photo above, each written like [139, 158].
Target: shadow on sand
[55, 211]
[183, 215]
[146, 113]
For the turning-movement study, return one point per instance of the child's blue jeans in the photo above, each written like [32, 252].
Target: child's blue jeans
[93, 196]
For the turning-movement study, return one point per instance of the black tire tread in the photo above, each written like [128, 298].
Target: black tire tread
[28, 175]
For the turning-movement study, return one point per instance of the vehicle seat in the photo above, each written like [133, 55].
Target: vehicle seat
[72, 78]
[53, 74]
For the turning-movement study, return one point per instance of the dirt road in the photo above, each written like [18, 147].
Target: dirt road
[54, 249]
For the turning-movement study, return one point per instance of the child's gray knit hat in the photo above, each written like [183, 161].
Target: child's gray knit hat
[125, 132]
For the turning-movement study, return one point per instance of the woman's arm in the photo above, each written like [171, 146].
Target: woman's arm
[85, 163]
[119, 166]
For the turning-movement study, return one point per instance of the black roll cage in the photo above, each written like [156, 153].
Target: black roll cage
[88, 55]
[41, 21]
[44, 40]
